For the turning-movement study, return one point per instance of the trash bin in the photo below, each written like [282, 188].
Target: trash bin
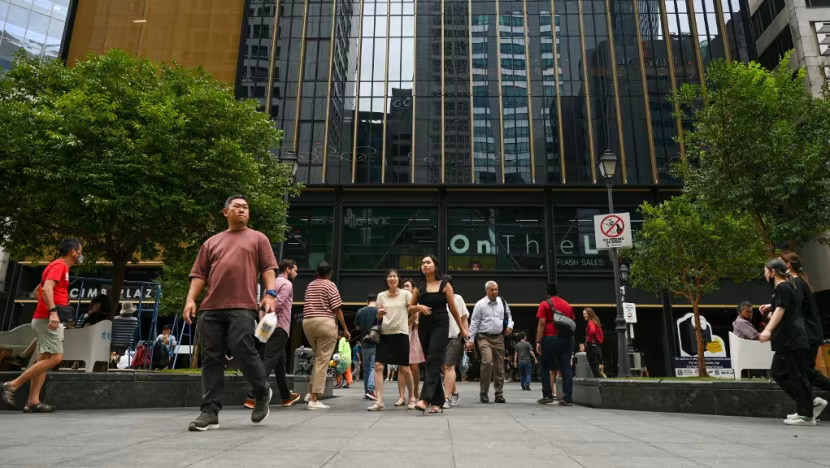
[303, 361]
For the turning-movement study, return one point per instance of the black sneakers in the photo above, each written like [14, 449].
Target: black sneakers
[484, 398]
[262, 408]
[545, 401]
[204, 422]
[500, 399]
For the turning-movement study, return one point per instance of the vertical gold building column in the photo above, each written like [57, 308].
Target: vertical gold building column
[558, 89]
[613, 52]
[414, 98]
[724, 35]
[501, 97]
[443, 92]
[693, 25]
[664, 17]
[646, 99]
[269, 91]
[356, 119]
[300, 77]
[472, 98]
[529, 97]
[385, 94]
[328, 90]
[588, 112]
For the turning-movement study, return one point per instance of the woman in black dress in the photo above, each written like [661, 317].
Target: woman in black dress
[431, 301]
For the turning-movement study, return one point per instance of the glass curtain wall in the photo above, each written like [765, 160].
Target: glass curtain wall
[462, 92]
[37, 27]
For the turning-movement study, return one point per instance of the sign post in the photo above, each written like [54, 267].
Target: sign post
[630, 313]
[613, 231]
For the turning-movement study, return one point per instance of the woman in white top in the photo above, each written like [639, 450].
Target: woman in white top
[393, 347]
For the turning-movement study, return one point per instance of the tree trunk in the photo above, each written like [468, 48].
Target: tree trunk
[119, 267]
[701, 360]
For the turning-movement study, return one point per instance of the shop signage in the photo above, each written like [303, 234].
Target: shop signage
[719, 367]
[126, 293]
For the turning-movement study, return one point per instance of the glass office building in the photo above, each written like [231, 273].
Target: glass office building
[37, 26]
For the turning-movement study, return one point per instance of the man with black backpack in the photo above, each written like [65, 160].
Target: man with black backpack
[555, 343]
[490, 322]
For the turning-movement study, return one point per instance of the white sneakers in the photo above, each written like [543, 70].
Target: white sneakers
[317, 405]
[795, 420]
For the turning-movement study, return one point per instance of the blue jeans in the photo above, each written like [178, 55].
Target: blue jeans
[556, 355]
[368, 356]
[525, 373]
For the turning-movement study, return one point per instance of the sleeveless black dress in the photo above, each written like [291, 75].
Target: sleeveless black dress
[433, 330]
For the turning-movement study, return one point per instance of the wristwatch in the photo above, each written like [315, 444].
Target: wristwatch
[53, 309]
[271, 292]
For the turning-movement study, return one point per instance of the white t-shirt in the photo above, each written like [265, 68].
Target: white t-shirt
[461, 307]
[397, 312]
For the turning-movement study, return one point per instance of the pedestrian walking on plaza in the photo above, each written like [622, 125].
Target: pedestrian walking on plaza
[228, 264]
[51, 313]
[274, 353]
[322, 305]
[344, 365]
[393, 349]
[790, 343]
[555, 344]
[525, 360]
[490, 322]
[364, 321]
[455, 349]
[430, 301]
[416, 352]
[593, 340]
[812, 324]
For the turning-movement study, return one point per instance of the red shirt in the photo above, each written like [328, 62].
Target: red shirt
[593, 333]
[57, 271]
[546, 313]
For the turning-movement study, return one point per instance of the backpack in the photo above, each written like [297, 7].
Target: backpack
[142, 356]
[161, 356]
[565, 325]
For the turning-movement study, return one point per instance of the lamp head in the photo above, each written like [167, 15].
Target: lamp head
[608, 165]
[624, 272]
[290, 158]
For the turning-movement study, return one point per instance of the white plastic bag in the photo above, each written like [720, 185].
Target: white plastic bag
[266, 327]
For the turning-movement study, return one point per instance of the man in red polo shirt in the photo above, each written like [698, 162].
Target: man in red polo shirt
[47, 327]
[555, 345]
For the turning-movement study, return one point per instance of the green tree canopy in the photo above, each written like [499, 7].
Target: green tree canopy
[131, 157]
[686, 248]
[760, 144]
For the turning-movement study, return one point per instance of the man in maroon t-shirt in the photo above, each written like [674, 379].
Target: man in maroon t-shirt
[228, 264]
[555, 345]
[53, 291]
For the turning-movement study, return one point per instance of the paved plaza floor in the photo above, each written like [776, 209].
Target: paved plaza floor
[517, 434]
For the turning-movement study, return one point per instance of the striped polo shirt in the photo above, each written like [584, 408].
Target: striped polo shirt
[321, 299]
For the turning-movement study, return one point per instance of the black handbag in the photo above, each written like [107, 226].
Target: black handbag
[373, 335]
[65, 313]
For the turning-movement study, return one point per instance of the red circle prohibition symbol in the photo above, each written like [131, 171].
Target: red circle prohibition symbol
[612, 226]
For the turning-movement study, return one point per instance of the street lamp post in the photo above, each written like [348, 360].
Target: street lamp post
[608, 169]
[290, 158]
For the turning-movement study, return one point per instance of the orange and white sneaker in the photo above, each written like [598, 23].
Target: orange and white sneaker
[250, 403]
[293, 397]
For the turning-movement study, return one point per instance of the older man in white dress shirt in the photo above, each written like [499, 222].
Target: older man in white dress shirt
[490, 322]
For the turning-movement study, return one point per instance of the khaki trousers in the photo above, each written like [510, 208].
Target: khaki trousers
[492, 358]
[321, 333]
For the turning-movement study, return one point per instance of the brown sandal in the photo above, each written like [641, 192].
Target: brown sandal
[39, 407]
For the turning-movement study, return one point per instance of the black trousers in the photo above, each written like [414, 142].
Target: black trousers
[789, 370]
[433, 330]
[594, 353]
[218, 331]
[273, 359]
[815, 377]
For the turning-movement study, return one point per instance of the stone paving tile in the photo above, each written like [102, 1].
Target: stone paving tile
[519, 433]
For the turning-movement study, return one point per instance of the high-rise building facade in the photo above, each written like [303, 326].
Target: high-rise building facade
[36, 26]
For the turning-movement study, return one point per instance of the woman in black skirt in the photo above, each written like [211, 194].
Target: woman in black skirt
[431, 301]
[393, 348]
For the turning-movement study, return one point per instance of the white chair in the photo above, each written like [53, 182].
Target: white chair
[90, 344]
[17, 339]
[749, 354]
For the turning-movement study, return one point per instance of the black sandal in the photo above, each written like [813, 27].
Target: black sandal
[420, 408]
[39, 407]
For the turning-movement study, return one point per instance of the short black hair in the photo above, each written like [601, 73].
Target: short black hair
[323, 269]
[234, 197]
[68, 245]
[372, 297]
[744, 304]
[104, 300]
[552, 289]
[167, 327]
[287, 264]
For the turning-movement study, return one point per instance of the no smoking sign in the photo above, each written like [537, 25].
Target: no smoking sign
[613, 231]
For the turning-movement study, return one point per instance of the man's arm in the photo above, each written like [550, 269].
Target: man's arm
[48, 292]
[509, 318]
[268, 301]
[747, 331]
[540, 333]
[196, 287]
